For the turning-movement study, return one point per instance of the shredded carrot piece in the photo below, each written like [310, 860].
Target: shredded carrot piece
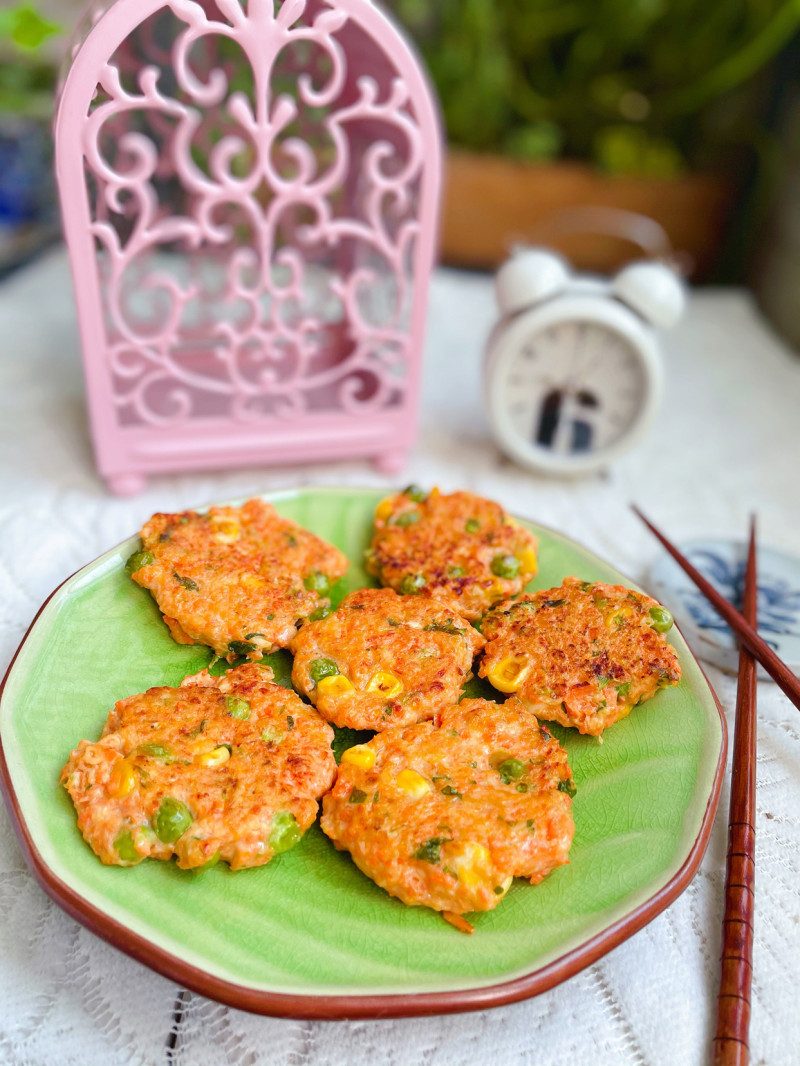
[458, 922]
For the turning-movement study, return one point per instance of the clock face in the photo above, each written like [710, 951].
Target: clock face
[573, 388]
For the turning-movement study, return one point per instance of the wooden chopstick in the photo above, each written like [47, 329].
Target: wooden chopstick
[730, 1046]
[747, 634]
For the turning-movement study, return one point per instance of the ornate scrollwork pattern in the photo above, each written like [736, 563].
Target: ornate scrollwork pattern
[255, 209]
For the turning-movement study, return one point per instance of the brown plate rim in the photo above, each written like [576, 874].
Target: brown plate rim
[355, 1007]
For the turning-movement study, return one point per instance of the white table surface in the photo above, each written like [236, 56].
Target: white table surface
[725, 443]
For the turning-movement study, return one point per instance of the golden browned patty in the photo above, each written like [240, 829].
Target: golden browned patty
[220, 768]
[444, 816]
[382, 659]
[238, 579]
[461, 547]
[582, 654]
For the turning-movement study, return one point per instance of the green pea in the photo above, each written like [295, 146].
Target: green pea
[412, 583]
[138, 560]
[661, 619]
[285, 832]
[511, 769]
[407, 518]
[241, 647]
[522, 787]
[320, 668]
[498, 890]
[415, 493]
[172, 820]
[317, 582]
[472, 525]
[237, 707]
[505, 566]
[319, 613]
[126, 848]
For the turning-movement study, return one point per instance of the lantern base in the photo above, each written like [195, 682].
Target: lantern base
[391, 462]
[129, 484]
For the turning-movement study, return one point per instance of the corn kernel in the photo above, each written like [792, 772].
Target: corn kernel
[618, 616]
[361, 756]
[252, 581]
[528, 562]
[216, 757]
[508, 674]
[335, 685]
[123, 779]
[384, 509]
[226, 530]
[471, 865]
[385, 684]
[414, 784]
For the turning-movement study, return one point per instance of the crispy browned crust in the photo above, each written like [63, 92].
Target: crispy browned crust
[451, 544]
[280, 761]
[235, 575]
[456, 847]
[589, 650]
[420, 641]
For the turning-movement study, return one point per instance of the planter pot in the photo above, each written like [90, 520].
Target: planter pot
[491, 203]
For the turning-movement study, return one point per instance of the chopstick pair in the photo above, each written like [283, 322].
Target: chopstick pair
[745, 630]
[730, 1046]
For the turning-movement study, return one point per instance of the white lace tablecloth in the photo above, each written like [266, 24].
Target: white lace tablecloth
[725, 444]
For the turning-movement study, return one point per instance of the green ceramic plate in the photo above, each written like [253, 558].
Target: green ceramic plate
[309, 935]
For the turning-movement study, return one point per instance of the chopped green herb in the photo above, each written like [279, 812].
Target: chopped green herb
[587, 586]
[241, 647]
[186, 582]
[554, 603]
[290, 722]
[444, 627]
[567, 785]
[455, 571]
[498, 890]
[357, 796]
[430, 851]
[376, 797]
[249, 636]
[271, 735]
[448, 790]
[156, 751]
[603, 681]
[415, 493]
[405, 518]
[319, 613]
[531, 825]
[472, 525]
[392, 622]
[623, 689]
[291, 539]
[198, 729]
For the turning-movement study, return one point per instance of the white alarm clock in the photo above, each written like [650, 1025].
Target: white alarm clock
[573, 371]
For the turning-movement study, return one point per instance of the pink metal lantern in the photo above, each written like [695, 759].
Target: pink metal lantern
[249, 191]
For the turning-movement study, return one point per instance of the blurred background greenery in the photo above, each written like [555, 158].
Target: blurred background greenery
[681, 112]
[635, 87]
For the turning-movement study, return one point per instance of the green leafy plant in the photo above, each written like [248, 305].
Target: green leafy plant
[27, 75]
[633, 86]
